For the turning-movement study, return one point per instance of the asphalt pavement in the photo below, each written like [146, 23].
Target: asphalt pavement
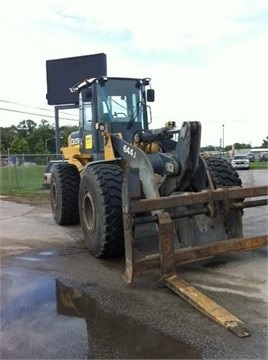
[59, 302]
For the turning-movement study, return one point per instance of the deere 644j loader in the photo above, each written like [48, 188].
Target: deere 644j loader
[121, 174]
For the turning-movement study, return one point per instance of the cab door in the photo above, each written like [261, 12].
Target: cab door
[91, 141]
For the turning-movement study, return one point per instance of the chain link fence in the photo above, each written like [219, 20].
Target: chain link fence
[23, 172]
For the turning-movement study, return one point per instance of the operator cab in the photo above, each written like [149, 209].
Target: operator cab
[121, 103]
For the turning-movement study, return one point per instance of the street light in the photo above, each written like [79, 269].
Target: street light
[47, 141]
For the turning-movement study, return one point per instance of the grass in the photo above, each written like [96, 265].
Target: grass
[258, 165]
[26, 181]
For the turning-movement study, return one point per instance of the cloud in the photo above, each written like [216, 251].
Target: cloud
[160, 25]
[207, 59]
[151, 25]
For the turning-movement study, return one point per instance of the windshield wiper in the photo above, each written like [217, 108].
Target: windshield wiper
[135, 115]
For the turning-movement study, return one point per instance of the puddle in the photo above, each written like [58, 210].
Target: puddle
[28, 258]
[46, 253]
[117, 336]
[44, 318]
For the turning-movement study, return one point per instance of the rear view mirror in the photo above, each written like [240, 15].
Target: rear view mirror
[150, 95]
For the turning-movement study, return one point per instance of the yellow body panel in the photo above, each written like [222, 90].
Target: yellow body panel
[74, 156]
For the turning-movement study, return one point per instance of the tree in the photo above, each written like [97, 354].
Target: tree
[19, 146]
[209, 148]
[238, 146]
[7, 136]
[39, 148]
[265, 143]
[25, 128]
[44, 122]
[37, 139]
[65, 132]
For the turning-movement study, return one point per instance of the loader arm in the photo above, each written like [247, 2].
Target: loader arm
[136, 158]
[186, 154]
[180, 165]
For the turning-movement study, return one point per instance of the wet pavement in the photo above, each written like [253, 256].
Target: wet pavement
[59, 321]
[58, 302]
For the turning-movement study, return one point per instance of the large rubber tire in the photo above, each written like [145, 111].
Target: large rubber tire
[222, 173]
[100, 208]
[64, 190]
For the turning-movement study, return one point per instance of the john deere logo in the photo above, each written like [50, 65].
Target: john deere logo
[75, 141]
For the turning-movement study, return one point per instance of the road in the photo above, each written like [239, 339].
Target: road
[59, 302]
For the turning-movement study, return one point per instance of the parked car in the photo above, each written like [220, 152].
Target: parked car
[29, 163]
[263, 156]
[48, 171]
[251, 157]
[240, 162]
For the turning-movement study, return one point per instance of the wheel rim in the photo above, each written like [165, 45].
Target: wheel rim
[54, 195]
[89, 212]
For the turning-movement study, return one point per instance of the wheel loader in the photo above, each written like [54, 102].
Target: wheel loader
[121, 175]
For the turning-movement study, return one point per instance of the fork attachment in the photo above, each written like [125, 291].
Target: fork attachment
[139, 211]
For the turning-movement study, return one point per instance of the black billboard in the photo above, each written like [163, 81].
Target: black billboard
[64, 73]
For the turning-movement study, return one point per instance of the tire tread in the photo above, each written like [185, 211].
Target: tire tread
[68, 179]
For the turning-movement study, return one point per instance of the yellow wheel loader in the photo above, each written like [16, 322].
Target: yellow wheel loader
[121, 175]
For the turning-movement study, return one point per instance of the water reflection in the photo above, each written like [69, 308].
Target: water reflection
[113, 336]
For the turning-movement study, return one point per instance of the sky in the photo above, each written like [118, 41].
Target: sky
[208, 59]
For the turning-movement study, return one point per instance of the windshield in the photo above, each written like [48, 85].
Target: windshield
[120, 100]
[240, 157]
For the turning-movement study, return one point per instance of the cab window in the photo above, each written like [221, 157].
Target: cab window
[87, 116]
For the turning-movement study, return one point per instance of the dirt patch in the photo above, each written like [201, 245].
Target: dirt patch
[34, 200]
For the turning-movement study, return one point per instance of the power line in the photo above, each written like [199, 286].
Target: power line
[29, 113]
[30, 106]
[50, 116]
[204, 121]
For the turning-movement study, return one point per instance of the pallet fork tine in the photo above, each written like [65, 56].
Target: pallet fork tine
[187, 291]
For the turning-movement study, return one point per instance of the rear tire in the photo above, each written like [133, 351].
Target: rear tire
[64, 190]
[100, 208]
[222, 173]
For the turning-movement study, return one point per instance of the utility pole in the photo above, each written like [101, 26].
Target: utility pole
[223, 139]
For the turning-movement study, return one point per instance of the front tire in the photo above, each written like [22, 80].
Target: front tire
[64, 190]
[100, 208]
